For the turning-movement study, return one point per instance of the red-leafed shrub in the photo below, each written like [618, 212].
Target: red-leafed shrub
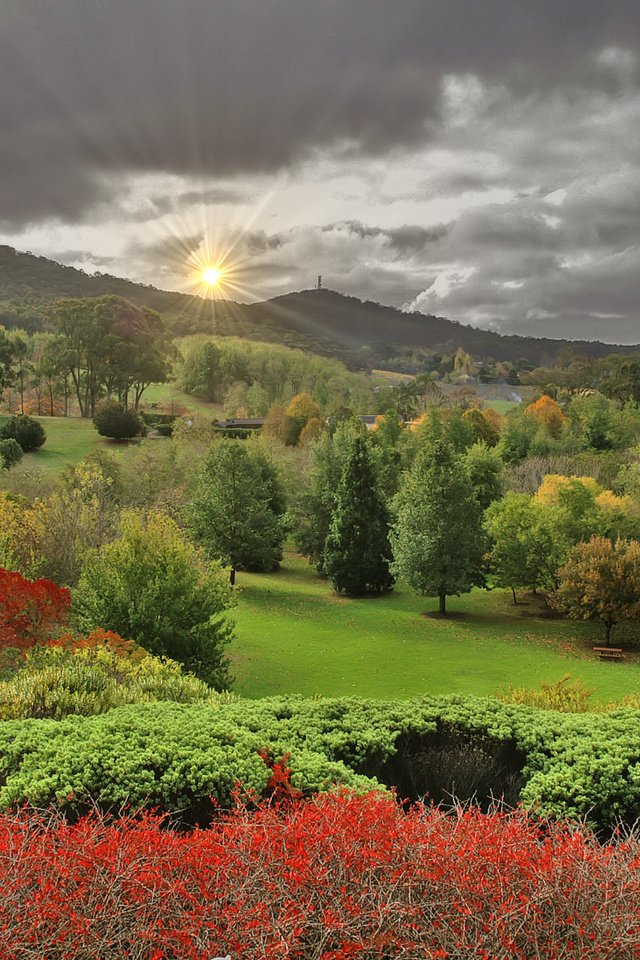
[335, 878]
[31, 611]
[97, 639]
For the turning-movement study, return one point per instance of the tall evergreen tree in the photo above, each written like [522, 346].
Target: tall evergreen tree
[317, 504]
[357, 553]
[437, 539]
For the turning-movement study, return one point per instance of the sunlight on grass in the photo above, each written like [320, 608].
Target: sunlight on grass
[295, 635]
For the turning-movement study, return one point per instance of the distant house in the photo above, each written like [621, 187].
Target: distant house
[369, 420]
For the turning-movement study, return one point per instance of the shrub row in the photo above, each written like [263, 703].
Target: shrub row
[339, 877]
[176, 756]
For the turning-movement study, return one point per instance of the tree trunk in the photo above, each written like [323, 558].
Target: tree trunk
[443, 604]
[515, 599]
[232, 576]
[608, 626]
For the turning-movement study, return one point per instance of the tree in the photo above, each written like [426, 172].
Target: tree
[357, 554]
[549, 413]
[438, 541]
[237, 509]
[29, 433]
[317, 504]
[601, 581]
[483, 430]
[21, 365]
[6, 361]
[389, 440]
[112, 420]
[517, 436]
[527, 546]
[112, 347]
[154, 587]
[486, 472]
[300, 411]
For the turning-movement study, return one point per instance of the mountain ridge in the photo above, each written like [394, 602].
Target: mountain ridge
[328, 322]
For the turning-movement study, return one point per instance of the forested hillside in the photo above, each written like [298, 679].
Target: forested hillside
[328, 323]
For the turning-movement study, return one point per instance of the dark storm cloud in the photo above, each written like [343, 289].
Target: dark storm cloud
[91, 90]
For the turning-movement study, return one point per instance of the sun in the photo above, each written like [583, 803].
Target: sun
[211, 276]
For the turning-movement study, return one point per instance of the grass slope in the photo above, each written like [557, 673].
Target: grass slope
[294, 635]
[69, 439]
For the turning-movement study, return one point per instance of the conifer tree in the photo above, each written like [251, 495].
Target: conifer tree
[357, 553]
[437, 539]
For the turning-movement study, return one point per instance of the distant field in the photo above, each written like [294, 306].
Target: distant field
[502, 406]
[168, 395]
[295, 635]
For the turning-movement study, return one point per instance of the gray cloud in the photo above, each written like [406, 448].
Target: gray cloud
[480, 160]
[89, 89]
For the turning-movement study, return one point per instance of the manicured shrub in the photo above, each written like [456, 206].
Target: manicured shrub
[26, 431]
[340, 877]
[10, 453]
[176, 756]
[57, 681]
[113, 420]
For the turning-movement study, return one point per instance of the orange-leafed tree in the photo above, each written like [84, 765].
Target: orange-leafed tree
[549, 413]
[31, 611]
[601, 581]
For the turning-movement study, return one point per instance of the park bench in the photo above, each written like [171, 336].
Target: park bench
[609, 653]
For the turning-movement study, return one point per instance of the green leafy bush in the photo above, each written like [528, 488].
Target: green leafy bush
[154, 587]
[26, 431]
[176, 756]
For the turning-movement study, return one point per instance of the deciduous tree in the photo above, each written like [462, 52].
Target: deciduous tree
[154, 587]
[601, 581]
[438, 540]
[237, 509]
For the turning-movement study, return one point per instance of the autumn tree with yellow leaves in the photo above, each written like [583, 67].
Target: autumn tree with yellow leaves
[601, 581]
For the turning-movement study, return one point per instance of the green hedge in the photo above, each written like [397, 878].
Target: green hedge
[175, 756]
[153, 419]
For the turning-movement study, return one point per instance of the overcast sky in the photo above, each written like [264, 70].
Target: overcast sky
[479, 160]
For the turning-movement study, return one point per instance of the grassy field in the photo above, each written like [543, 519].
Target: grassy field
[69, 439]
[502, 406]
[168, 395]
[295, 635]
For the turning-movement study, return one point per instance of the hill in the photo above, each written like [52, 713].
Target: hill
[359, 332]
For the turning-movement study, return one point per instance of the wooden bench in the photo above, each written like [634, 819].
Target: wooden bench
[609, 653]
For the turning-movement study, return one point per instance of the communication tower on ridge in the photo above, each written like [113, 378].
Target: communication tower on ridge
[319, 283]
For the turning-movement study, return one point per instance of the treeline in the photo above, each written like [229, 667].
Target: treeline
[102, 347]
[249, 377]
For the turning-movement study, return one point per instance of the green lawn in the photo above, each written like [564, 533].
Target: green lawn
[69, 440]
[502, 406]
[169, 395]
[294, 635]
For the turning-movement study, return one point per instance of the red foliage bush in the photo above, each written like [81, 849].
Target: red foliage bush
[31, 611]
[334, 878]
[113, 642]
